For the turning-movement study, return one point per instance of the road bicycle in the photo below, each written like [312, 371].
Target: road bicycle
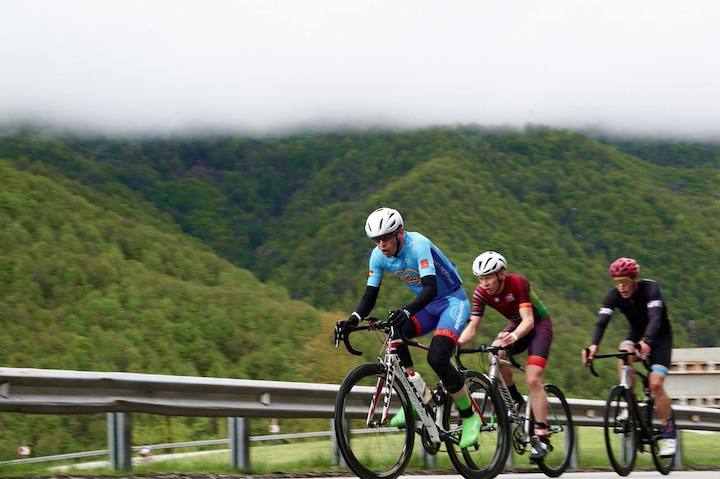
[519, 427]
[373, 392]
[631, 426]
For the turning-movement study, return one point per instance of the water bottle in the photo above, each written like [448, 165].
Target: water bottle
[419, 384]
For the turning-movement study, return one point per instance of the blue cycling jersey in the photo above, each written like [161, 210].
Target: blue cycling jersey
[418, 257]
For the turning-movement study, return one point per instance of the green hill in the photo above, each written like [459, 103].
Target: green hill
[192, 255]
[86, 288]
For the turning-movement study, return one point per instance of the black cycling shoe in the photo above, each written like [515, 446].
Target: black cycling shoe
[540, 447]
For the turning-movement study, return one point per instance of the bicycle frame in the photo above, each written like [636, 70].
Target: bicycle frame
[514, 415]
[396, 371]
[634, 407]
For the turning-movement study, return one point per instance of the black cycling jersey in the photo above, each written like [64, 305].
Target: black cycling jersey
[645, 310]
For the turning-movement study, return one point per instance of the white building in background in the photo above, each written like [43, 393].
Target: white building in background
[694, 378]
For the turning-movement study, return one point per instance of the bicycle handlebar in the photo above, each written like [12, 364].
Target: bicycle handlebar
[484, 348]
[374, 324]
[622, 354]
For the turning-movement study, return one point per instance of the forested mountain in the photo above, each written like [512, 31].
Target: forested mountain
[218, 255]
[84, 287]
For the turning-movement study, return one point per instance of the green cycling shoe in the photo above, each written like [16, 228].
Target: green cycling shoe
[470, 431]
[398, 420]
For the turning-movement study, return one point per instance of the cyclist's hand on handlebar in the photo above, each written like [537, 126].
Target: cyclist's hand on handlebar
[644, 350]
[397, 317]
[588, 354]
[342, 328]
[505, 338]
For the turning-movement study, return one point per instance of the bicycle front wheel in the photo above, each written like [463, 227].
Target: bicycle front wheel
[663, 464]
[561, 433]
[487, 458]
[372, 448]
[621, 430]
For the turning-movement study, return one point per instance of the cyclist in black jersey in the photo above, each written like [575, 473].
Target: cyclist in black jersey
[642, 303]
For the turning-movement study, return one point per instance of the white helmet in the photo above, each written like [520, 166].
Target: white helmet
[488, 262]
[383, 221]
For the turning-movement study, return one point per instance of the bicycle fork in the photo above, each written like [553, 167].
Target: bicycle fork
[394, 371]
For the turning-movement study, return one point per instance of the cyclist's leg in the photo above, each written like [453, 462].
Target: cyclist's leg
[420, 324]
[454, 313]
[628, 344]
[540, 339]
[538, 352]
[507, 372]
[660, 363]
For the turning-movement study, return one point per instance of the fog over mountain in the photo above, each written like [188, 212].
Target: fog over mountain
[647, 67]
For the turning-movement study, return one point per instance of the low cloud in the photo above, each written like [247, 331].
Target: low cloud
[644, 67]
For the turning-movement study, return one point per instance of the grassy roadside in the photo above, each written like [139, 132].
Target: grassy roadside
[313, 456]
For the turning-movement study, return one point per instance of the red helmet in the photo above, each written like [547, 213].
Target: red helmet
[624, 267]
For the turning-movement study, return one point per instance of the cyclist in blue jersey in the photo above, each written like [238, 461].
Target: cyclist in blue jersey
[440, 305]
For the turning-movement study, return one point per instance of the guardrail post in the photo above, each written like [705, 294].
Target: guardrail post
[336, 455]
[119, 440]
[239, 443]
[678, 453]
[428, 460]
[575, 449]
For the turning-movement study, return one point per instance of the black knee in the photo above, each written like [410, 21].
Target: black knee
[441, 350]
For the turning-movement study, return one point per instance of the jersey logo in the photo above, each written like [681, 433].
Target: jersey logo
[509, 297]
[409, 276]
[424, 263]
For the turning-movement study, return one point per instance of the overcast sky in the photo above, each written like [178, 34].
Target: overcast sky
[641, 67]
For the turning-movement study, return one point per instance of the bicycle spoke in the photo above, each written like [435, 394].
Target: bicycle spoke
[621, 435]
[663, 464]
[487, 458]
[372, 448]
[561, 433]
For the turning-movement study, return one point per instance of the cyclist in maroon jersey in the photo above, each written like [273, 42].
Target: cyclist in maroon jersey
[529, 327]
[642, 303]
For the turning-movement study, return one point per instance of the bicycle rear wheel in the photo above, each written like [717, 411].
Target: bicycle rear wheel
[621, 430]
[561, 433]
[487, 458]
[372, 449]
[663, 464]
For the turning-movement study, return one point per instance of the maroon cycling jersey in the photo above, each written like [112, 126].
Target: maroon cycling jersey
[515, 293]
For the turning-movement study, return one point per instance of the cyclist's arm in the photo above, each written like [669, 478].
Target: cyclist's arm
[367, 302]
[477, 310]
[527, 320]
[655, 311]
[603, 318]
[470, 330]
[427, 294]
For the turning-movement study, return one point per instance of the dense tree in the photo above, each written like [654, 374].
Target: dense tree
[128, 255]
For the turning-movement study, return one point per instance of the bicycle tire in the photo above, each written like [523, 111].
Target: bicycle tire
[382, 452]
[476, 462]
[559, 421]
[663, 464]
[621, 435]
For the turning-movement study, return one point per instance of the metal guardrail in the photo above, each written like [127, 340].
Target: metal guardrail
[81, 392]
[50, 391]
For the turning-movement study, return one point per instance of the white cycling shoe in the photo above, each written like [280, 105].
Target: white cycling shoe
[622, 415]
[669, 446]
